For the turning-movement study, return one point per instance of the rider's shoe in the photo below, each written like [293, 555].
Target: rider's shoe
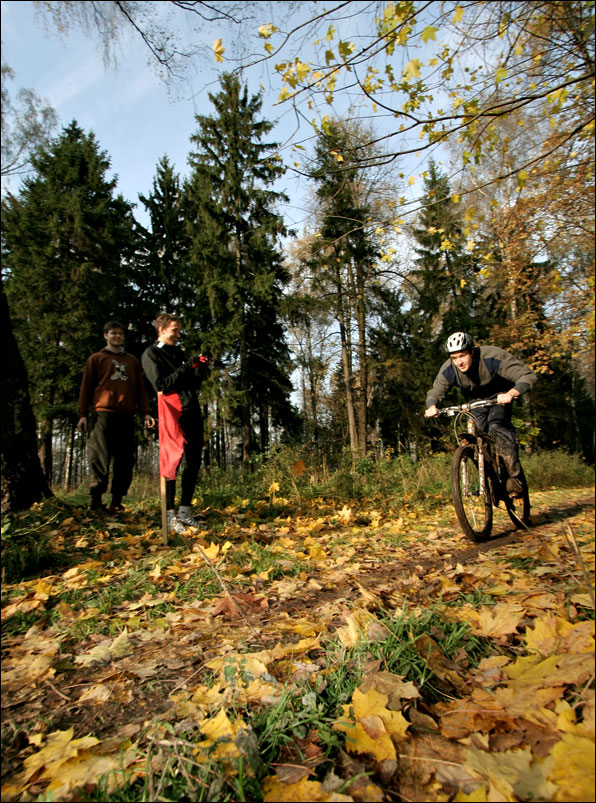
[514, 488]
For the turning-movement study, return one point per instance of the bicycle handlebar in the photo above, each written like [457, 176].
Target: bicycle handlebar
[468, 406]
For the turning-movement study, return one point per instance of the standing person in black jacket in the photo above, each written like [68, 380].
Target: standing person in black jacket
[178, 378]
[481, 372]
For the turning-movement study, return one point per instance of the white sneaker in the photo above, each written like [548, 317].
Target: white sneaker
[190, 522]
[175, 525]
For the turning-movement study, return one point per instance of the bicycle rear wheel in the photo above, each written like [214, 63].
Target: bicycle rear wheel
[519, 509]
[473, 505]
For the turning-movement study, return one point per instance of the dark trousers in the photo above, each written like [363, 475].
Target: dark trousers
[497, 421]
[191, 424]
[112, 438]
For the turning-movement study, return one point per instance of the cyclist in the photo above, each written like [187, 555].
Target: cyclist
[481, 372]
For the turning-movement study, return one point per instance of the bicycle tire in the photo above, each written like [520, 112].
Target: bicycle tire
[519, 509]
[474, 510]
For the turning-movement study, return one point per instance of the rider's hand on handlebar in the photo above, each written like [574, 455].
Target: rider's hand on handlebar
[507, 398]
[431, 411]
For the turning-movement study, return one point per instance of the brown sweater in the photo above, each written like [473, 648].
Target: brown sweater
[113, 383]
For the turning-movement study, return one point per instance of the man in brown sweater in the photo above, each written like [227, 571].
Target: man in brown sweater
[112, 389]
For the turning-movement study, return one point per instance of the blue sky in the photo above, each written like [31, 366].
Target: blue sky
[134, 115]
[135, 118]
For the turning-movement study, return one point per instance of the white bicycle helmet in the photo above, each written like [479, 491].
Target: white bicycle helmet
[459, 341]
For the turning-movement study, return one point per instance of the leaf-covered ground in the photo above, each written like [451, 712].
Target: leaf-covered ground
[324, 653]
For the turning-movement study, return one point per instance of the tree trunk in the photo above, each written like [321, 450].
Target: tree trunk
[23, 481]
[46, 456]
[362, 361]
[347, 367]
[264, 426]
[71, 452]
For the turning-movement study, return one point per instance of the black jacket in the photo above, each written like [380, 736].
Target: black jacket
[169, 371]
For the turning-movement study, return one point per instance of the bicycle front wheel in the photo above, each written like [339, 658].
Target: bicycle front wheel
[471, 498]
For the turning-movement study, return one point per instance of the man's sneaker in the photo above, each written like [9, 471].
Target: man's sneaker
[175, 525]
[97, 505]
[119, 508]
[514, 488]
[190, 522]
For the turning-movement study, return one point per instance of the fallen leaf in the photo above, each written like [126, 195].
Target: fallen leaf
[276, 791]
[572, 770]
[373, 726]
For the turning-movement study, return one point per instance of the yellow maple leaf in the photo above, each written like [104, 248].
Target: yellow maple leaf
[512, 774]
[429, 33]
[304, 791]
[546, 634]
[573, 771]
[501, 74]
[212, 551]
[316, 553]
[373, 726]
[556, 670]
[412, 69]
[265, 31]
[43, 589]
[59, 748]
[360, 625]
[499, 621]
[86, 767]
[345, 514]
[218, 50]
[459, 12]
[220, 743]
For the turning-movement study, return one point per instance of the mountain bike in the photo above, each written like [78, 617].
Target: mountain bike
[479, 476]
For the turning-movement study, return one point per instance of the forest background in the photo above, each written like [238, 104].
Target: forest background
[327, 338]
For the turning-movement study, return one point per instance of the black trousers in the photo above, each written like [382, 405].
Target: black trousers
[497, 421]
[112, 439]
[191, 424]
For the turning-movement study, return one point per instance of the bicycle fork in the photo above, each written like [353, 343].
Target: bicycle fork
[481, 475]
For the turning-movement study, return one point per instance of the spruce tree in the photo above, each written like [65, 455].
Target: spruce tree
[162, 274]
[67, 241]
[236, 255]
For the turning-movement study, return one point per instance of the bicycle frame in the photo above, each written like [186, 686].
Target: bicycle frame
[476, 474]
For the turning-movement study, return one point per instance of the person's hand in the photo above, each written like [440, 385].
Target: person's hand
[431, 411]
[507, 398]
[82, 424]
[149, 422]
[199, 361]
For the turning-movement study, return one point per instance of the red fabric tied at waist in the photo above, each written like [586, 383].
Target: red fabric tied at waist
[171, 437]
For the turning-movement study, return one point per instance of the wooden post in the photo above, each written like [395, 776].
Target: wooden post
[162, 493]
[164, 510]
